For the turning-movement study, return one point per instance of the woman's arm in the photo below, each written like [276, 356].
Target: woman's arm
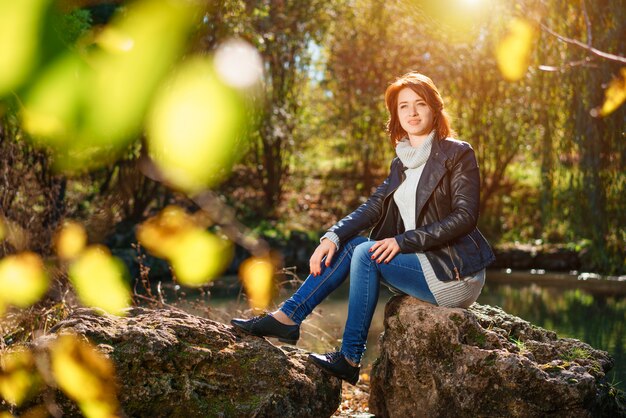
[365, 215]
[465, 197]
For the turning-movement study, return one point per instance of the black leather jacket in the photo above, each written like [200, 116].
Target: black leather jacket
[446, 213]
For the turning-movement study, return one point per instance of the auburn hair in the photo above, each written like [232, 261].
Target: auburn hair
[426, 89]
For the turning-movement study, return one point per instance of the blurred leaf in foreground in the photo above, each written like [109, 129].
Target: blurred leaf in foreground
[257, 274]
[614, 95]
[86, 106]
[70, 240]
[514, 49]
[196, 255]
[85, 375]
[159, 233]
[23, 280]
[18, 376]
[193, 127]
[20, 35]
[200, 256]
[100, 280]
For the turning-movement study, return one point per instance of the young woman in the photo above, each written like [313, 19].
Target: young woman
[424, 241]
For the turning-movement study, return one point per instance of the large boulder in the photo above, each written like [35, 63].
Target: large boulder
[170, 363]
[444, 362]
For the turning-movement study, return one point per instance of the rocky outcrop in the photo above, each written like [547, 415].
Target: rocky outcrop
[173, 364]
[443, 362]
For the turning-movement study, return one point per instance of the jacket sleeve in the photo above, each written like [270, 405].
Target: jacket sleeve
[365, 215]
[463, 216]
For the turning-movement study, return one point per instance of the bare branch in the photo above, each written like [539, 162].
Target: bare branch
[594, 51]
[568, 65]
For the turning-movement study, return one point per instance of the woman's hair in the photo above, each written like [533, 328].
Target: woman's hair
[426, 89]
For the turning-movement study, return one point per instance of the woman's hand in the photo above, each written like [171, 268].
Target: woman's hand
[326, 248]
[385, 250]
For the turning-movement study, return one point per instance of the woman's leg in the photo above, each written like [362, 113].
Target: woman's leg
[315, 288]
[403, 273]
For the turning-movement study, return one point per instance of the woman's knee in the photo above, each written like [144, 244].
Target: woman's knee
[362, 251]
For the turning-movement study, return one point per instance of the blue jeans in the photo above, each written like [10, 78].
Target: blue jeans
[403, 274]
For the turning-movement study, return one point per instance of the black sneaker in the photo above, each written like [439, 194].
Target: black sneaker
[267, 326]
[335, 363]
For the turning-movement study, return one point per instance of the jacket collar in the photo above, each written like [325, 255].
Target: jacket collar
[435, 168]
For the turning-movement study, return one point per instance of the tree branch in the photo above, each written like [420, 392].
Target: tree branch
[594, 51]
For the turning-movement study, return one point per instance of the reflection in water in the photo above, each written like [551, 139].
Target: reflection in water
[598, 320]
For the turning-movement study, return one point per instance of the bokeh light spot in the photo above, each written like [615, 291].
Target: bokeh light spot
[238, 63]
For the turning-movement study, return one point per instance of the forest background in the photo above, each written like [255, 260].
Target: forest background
[552, 170]
[112, 111]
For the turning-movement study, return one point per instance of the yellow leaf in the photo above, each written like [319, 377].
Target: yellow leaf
[23, 280]
[85, 375]
[159, 234]
[20, 32]
[514, 49]
[199, 256]
[257, 275]
[18, 376]
[615, 94]
[3, 229]
[70, 240]
[100, 280]
[193, 127]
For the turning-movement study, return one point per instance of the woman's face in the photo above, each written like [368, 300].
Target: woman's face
[416, 117]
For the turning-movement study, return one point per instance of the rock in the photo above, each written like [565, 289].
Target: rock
[170, 363]
[444, 362]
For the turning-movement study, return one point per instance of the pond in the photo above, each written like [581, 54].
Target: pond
[593, 314]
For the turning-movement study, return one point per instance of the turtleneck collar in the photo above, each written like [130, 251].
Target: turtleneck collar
[414, 157]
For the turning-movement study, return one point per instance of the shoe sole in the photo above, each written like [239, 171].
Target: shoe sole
[353, 380]
[281, 339]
